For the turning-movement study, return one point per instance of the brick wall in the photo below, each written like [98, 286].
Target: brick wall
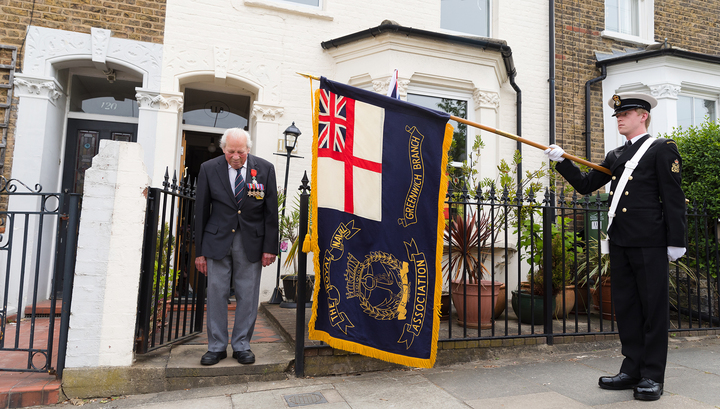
[689, 24]
[141, 20]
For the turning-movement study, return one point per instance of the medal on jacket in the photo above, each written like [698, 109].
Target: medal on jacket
[255, 189]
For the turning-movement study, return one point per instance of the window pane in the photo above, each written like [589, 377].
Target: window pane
[466, 16]
[611, 15]
[456, 107]
[704, 108]
[684, 111]
[93, 95]
[629, 17]
[622, 16]
[215, 109]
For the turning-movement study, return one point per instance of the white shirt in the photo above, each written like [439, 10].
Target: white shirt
[232, 174]
[637, 138]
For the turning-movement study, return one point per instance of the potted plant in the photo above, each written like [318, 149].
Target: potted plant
[291, 243]
[164, 277]
[528, 300]
[593, 273]
[465, 250]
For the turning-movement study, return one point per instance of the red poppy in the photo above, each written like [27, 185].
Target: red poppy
[253, 172]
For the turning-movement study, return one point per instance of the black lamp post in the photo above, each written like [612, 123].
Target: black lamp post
[291, 135]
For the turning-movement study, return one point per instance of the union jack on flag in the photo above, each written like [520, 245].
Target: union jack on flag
[332, 121]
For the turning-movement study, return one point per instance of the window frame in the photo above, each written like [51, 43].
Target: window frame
[289, 6]
[696, 96]
[456, 94]
[646, 25]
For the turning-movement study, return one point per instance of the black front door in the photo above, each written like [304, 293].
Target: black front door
[82, 144]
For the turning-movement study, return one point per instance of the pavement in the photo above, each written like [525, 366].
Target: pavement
[560, 376]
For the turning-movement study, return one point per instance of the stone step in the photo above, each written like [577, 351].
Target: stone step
[176, 369]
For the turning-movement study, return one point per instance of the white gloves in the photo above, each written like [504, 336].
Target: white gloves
[555, 153]
[675, 253]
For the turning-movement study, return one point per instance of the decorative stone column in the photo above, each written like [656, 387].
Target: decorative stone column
[39, 131]
[487, 104]
[664, 115]
[267, 129]
[381, 87]
[159, 119]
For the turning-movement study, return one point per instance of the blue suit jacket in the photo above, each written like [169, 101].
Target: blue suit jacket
[217, 215]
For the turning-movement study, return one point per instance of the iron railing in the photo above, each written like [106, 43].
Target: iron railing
[550, 248]
[171, 302]
[38, 244]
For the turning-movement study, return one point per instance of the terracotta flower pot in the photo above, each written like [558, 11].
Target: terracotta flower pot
[501, 301]
[607, 312]
[469, 293]
[569, 294]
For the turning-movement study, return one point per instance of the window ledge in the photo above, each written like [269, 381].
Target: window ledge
[626, 37]
[298, 9]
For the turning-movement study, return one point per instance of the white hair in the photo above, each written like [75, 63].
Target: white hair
[236, 132]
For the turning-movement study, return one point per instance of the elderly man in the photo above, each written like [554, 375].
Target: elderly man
[236, 234]
[647, 228]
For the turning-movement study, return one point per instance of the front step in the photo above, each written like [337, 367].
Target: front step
[160, 371]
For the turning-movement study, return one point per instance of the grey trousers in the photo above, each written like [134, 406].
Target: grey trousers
[246, 279]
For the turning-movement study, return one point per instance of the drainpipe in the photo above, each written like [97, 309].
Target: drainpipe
[588, 142]
[512, 72]
[551, 74]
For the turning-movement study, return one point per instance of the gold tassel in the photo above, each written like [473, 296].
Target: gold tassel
[307, 244]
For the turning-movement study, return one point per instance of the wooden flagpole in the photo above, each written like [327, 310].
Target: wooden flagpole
[511, 136]
[529, 142]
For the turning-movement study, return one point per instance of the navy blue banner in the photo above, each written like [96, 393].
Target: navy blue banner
[378, 194]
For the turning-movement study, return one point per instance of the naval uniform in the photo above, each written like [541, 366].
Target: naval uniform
[650, 216]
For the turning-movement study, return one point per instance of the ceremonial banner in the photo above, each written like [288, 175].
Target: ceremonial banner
[378, 191]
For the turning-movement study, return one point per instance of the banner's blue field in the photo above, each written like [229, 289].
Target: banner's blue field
[379, 187]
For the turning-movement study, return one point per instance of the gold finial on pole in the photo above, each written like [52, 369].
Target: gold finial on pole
[314, 77]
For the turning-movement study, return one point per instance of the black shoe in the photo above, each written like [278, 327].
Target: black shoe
[618, 382]
[244, 357]
[211, 358]
[647, 389]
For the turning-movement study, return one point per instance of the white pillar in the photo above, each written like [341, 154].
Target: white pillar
[266, 130]
[36, 159]
[39, 130]
[664, 115]
[158, 130]
[107, 272]
[486, 112]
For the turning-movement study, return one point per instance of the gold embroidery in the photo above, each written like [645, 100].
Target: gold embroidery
[675, 168]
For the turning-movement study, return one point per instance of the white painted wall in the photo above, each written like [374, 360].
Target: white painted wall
[107, 273]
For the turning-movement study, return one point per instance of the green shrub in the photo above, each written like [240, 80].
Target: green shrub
[700, 149]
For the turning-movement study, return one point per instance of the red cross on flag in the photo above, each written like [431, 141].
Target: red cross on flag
[349, 164]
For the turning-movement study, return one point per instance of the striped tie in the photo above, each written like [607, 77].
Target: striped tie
[239, 187]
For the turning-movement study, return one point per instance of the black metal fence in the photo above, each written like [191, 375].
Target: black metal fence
[548, 246]
[171, 302]
[37, 260]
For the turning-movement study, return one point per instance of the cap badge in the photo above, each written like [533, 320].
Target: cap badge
[617, 100]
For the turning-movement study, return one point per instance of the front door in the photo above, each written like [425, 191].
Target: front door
[82, 144]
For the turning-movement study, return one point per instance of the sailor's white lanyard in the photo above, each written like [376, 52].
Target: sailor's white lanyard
[629, 168]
